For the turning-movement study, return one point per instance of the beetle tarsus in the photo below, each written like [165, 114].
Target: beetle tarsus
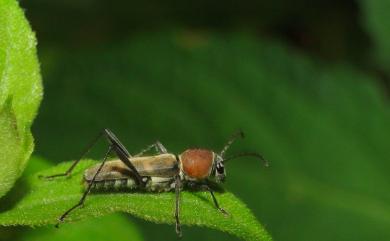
[178, 230]
[44, 177]
[57, 225]
[224, 212]
[51, 177]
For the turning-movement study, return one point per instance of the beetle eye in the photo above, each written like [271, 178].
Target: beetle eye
[220, 168]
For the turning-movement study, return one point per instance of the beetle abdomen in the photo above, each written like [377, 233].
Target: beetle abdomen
[113, 184]
[160, 184]
[153, 184]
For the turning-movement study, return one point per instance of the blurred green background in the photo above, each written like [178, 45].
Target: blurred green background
[308, 81]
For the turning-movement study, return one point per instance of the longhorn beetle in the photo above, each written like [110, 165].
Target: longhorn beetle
[192, 169]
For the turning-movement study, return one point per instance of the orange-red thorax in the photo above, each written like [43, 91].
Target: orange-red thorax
[197, 163]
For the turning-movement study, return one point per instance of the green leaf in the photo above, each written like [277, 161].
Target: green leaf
[20, 92]
[48, 199]
[87, 230]
[11, 149]
[109, 228]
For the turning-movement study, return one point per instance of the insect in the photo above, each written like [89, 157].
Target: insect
[192, 169]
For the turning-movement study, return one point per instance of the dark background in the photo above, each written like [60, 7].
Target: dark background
[308, 82]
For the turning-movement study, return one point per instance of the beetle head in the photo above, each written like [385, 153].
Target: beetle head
[200, 164]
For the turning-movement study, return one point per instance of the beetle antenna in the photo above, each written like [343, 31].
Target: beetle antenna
[238, 134]
[252, 154]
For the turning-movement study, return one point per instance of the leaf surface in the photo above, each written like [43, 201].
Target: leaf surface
[109, 228]
[48, 199]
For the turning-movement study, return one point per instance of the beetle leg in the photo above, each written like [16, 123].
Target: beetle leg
[87, 149]
[115, 142]
[123, 155]
[160, 149]
[177, 206]
[82, 200]
[115, 145]
[207, 188]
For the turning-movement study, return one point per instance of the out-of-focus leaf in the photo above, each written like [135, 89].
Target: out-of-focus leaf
[109, 228]
[47, 200]
[324, 128]
[377, 22]
[20, 92]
